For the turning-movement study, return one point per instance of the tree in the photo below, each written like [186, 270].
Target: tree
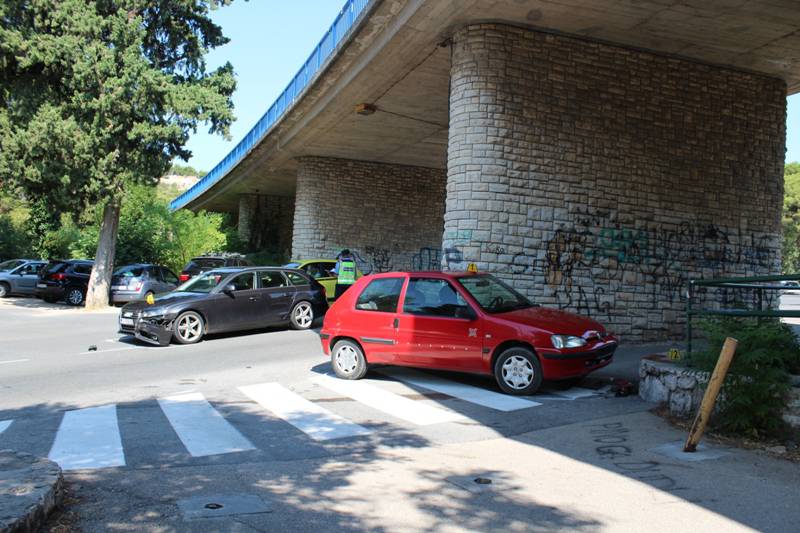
[98, 95]
[186, 170]
[149, 232]
[791, 219]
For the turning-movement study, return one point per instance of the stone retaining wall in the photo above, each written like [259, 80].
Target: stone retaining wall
[680, 388]
[671, 384]
[599, 178]
[389, 216]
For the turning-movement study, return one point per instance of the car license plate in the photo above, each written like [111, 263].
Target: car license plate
[41, 285]
[126, 321]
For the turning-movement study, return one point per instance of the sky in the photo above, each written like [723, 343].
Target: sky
[271, 39]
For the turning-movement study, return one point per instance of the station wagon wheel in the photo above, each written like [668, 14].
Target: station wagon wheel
[189, 328]
[348, 361]
[4, 290]
[74, 296]
[518, 371]
[302, 315]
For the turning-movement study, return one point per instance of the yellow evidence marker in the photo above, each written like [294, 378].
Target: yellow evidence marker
[472, 267]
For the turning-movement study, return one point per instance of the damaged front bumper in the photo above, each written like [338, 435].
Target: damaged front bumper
[156, 330]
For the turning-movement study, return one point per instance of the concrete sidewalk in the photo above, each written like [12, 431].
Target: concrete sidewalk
[604, 475]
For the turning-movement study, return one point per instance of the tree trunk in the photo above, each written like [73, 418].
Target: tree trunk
[100, 280]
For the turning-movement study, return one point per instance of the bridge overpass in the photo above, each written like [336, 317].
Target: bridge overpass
[596, 153]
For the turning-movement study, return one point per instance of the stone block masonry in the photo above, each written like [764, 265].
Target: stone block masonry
[600, 179]
[390, 216]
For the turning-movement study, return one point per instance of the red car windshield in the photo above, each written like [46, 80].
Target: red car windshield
[493, 295]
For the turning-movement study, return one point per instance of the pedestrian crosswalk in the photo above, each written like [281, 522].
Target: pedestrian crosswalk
[90, 438]
[317, 422]
[390, 403]
[200, 427]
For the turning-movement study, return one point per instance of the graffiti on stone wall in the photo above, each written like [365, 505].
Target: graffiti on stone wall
[615, 258]
[377, 259]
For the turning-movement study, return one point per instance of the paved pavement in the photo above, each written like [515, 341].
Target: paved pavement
[254, 423]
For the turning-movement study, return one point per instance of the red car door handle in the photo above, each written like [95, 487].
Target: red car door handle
[396, 323]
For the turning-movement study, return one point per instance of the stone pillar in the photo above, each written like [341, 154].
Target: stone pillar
[390, 216]
[600, 179]
[248, 203]
[265, 223]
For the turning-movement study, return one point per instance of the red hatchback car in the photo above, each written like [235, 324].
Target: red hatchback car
[463, 322]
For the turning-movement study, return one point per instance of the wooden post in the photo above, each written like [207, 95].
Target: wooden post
[710, 397]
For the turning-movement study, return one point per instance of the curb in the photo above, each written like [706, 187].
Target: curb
[30, 488]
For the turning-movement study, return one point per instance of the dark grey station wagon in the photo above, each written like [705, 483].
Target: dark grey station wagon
[226, 299]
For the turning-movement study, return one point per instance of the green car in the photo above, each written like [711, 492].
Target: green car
[320, 270]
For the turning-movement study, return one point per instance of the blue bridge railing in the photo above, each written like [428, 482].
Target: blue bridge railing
[344, 21]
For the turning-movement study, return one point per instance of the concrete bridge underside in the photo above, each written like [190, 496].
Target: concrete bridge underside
[596, 154]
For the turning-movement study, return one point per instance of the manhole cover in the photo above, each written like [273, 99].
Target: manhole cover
[210, 506]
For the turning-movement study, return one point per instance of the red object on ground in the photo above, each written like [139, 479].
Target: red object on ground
[461, 322]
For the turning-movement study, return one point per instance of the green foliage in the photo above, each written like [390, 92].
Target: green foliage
[791, 219]
[98, 96]
[150, 233]
[14, 240]
[185, 170]
[755, 391]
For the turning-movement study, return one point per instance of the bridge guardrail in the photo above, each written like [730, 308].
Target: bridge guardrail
[324, 49]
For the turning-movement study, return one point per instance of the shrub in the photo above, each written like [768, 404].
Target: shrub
[754, 394]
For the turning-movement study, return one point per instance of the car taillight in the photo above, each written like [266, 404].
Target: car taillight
[183, 277]
[137, 287]
[58, 277]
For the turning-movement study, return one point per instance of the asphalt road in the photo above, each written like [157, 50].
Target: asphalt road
[253, 422]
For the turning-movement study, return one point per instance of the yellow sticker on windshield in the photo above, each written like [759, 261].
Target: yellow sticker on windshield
[150, 300]
[674, 354]
[472, 267]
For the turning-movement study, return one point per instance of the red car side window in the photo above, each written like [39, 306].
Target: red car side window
[434, 297]
[381, 295]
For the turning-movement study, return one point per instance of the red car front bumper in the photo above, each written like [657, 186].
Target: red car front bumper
[561, 365]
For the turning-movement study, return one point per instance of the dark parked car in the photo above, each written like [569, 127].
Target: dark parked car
[135, 282]
[19, 276]
[226, 299]
[204, 263]
[64, 279]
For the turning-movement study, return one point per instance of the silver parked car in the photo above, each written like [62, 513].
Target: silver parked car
[18, 276]
[134, 282]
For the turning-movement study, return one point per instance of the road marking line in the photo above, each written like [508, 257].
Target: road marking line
[4, 425]
[88, 438]
[13, 361]
[575, 393]
[200, 427]
[410, 410]
[313, 420]
[468, 393]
